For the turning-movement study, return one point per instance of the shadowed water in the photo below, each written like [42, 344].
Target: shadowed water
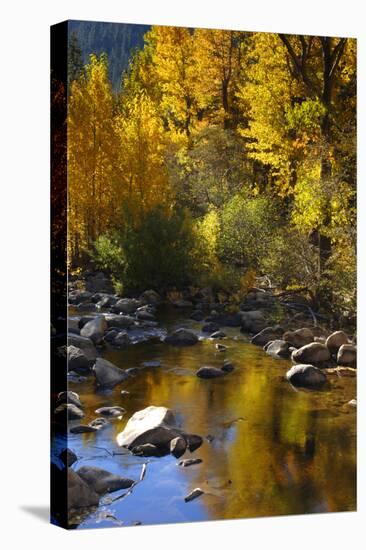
[275, 450]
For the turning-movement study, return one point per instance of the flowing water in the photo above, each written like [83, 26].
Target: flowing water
[273, 450]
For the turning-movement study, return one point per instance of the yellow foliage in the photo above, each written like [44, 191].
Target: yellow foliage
[92, 152]
[142, 143]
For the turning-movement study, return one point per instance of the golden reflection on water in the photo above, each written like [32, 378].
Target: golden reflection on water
[275, 450]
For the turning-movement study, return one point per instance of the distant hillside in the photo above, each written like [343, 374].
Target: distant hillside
[118, 40]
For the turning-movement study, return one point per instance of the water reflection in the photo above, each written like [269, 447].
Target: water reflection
[272, 450]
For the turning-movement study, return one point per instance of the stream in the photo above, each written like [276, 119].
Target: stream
[272, 449]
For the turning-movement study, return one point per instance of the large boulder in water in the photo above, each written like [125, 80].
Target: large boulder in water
[101, 481]
[182, 337]
[314, 353]
[347, 355]
[267, 335]
[107, 374]
[299, 338]
[79, 494]
[306, 376]
[155, 426]
[278, 348]
[142, 422]
[95, 329]
[83, 343]
[336, 340]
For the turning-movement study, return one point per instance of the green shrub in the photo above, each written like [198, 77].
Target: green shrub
[157, 253]
[108, 254]
[248, 228]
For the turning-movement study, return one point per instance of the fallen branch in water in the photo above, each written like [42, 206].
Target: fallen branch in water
[142, 475]
[111, 453]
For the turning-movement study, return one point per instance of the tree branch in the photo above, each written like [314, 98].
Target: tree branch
[337, 55]
[299, 65]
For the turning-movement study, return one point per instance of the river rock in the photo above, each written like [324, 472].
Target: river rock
[194, 442]
[252, 321]
[336, 340]
[218, 334]
[121, 340]
[79, 494]
[146, 450]
[220, 347]
[178, 446]
[69, 397]
[155, 426]
[145, 316]
[76, 297]
[77, 361]
[181, 337]
[306, 376]
[95, 329]
[210, 327]
[83, 343]
[267, 335]
[106, 301]
[278, 348]
[299, 338]
[119, 321]
[110, 335]
[189, 462]
[69, 411]
[347, 355]
[83, 429]
[153, 364]
[133, 371]
[107, 374]
[143, 422]
[313, 353]
[85, 319]
[126, 306]
[101, 481]
[227, 366]
[150, 297]
[68, 457]
[98, 423]
[194, 494]
[111, 411]
[210, 372]
[73, 325]
[87, 306]
[75, 377]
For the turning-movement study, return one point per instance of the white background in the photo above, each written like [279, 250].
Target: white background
[24, 295]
